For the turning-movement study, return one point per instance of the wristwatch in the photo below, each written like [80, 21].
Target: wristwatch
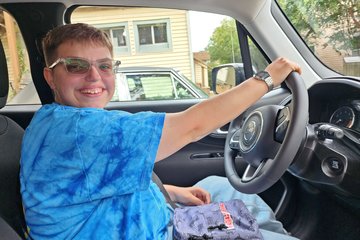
[265, 76]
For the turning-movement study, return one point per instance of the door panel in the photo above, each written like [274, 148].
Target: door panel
[194, 161]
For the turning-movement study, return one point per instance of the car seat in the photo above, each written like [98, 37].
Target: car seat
[11, 212]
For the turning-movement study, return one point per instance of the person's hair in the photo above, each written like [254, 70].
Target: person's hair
[77, 32]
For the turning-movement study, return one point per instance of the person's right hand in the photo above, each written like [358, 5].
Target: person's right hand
[188, 195]
[280, 69]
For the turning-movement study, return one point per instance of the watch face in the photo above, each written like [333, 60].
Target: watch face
[263, 74]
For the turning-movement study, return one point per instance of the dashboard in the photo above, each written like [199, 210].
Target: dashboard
[336, 101]
[330, 153]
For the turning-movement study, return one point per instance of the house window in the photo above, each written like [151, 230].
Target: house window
[152, 33]
[119, 37]
[153, 36]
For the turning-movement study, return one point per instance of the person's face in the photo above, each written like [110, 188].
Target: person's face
[91, 89]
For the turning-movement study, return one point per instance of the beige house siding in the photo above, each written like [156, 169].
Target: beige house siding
[8, 59]
[9, 43]
[201, 70]
[178, 56]
[330, 58]
[335, 60]
[15, 53]
[201, 74]
[198, 73]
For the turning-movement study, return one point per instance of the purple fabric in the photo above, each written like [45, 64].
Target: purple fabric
[208, 221]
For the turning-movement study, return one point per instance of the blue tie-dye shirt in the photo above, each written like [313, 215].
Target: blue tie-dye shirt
[86, 174]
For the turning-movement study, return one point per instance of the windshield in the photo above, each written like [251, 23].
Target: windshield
[330, 28]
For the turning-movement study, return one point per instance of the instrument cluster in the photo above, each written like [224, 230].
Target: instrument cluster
[347, 115]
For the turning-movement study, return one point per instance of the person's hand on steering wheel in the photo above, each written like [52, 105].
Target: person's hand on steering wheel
[280, 69]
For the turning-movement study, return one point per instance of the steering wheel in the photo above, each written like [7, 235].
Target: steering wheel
[267, 140]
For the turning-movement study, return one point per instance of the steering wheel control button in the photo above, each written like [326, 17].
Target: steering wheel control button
[282, 124]
[234, 141]
[251, 132]
[332, 166]
[265, 76]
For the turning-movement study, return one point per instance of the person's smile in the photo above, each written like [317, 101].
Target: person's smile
[92, 92]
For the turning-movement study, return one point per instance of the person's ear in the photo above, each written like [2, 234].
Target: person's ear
[48, 75]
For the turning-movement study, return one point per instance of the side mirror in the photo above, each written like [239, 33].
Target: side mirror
[227, 76]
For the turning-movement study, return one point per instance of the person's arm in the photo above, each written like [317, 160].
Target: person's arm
[199, 120]
[188, 195]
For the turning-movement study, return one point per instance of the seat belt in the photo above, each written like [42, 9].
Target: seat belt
[158, 182]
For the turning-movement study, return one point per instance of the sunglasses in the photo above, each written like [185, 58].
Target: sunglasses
[77, 65]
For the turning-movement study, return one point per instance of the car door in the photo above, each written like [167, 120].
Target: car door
[159, 41]
[144, 36]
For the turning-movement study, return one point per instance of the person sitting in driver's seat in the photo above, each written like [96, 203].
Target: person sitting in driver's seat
[86, 171]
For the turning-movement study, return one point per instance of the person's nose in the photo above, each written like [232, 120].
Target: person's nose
[93, 74]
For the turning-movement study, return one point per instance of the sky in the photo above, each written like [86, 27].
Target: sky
[202, 26]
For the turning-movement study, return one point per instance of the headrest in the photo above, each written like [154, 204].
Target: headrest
[4, 77]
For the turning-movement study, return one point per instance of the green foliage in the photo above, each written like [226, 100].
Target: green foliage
[336, 21]
[223, 46]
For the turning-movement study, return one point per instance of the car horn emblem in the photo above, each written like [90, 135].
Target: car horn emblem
[251, 131]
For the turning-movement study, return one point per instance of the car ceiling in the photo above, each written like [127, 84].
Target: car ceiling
[247, 9]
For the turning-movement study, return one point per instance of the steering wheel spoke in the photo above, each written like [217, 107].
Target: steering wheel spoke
[251, 172]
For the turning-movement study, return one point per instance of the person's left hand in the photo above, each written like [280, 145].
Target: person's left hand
[188, 195]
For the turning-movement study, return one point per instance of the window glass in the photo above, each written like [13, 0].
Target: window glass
[224, 50]
[21, 88]
[185, 45]
[144, 86]
[257, 58]
[330, 29]
[152, 33]
[153, 36]
[145, 35]
[160, 33]
[181, 91]
[158, 86]
[119, 37]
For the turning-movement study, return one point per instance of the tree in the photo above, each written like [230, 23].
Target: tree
[223, 46]
[336, 21]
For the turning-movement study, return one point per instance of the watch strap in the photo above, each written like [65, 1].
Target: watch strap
[265, 77]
